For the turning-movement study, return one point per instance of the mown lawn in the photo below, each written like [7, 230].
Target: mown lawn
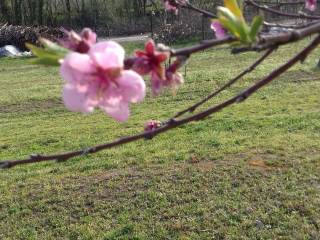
[251, 171]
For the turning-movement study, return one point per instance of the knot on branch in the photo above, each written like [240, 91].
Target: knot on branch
[150, 128]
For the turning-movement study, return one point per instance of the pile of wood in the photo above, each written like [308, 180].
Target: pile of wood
[18, 36]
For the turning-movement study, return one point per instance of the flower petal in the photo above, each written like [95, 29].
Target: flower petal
[156, 83]
[131, 86]
[150, 47]
[77, 68]
[76, 100]
[217, 27]
[119, 112]
[107, 54]
[79, 62]
[161, 57]
[89, 36]
[311, 5]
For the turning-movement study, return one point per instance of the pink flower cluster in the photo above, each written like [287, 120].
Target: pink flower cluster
[94, 72]
[94, 75]
[152, 125]
[150, 61]
[218, 29]
[311, 5]
[173, 5]
[97, 79]
[79, 42]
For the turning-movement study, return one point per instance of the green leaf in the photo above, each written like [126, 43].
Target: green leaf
[233, 6]
[229, 26]
[36, 50]
[47, 61]
[50, 55]
[53, 46]
[255, 27]
[235, 25]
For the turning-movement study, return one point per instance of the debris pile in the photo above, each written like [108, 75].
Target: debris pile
[12, 51]
[18, 36]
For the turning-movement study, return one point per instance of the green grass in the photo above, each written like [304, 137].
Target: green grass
[251, 171]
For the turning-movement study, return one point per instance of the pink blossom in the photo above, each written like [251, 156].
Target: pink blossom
[170, 8]
[311, 5]
[97, 79]
[79, 42]
[172, 5]
[157, 83]
[173, 78]
[217, 27]
[151, 61]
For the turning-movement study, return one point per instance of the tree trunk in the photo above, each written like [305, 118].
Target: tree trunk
[40, 12]
[68, 7]
[4, 11]
[16, 10]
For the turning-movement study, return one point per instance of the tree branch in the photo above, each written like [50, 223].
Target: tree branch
[277, 12]
[268, 41]
[292, 26]
[282, 3]
[196, 9]
[202, 46]
[172, 123]
[228, 84]
[264, 41]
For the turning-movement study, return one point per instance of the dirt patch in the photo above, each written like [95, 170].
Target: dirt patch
[31, 106]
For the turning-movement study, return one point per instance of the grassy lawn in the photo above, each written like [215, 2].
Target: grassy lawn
[251, 171]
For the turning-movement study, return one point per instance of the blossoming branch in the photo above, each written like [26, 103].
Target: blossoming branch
[97, 74]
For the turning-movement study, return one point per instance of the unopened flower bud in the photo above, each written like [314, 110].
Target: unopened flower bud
[79, 42]
[152, 125]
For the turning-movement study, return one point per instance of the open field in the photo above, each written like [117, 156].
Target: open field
[251, 171]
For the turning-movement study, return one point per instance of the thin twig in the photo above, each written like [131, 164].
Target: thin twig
[228, 84]
[199, 10]
[290, 26]
[282, 3]
[278, 12]
[202, 46]
[268, 41]
[265, 41]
